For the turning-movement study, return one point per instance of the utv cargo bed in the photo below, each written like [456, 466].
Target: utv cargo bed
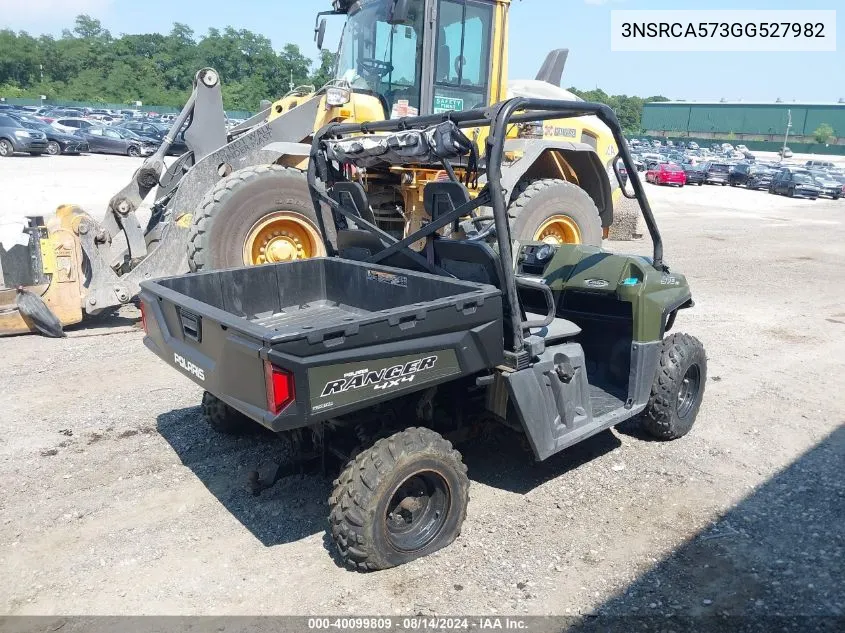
[335, 335]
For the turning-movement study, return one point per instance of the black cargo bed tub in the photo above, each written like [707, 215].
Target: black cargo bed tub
[295, 343]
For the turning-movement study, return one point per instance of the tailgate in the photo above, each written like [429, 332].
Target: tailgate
[219, 352]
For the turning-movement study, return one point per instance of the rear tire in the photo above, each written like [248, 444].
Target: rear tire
[223, 418]
[537, 202]
[237, 203]
[403, 498]
[678, 388]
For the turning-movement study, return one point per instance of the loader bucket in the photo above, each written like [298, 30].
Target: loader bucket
[45, 262]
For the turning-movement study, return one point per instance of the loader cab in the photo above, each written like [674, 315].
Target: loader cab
[424, 56]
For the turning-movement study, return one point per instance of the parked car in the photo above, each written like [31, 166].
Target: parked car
[14, 137]
[759, 177]
[738, 174]
[57, 113]
[57, 142]
[666, 174]
[692, 145]
[716, 173]
[638, 161]
[785, 152]
[795, 183]
[741, 148]
[819, 164]
[695, 174]
[653, 161]
[830, 187]
[71, 124]
[144, 128]
[109, 140]
[749, 156]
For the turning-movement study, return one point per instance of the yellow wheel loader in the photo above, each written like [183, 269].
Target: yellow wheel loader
[240, 197]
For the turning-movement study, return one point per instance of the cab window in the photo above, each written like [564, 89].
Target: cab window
[462, 64]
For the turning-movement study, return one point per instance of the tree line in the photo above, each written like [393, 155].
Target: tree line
[88, 63]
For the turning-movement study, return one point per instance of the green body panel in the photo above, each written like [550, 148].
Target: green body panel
[653, 295]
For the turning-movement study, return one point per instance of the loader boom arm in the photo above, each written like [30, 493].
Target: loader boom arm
[206, 132]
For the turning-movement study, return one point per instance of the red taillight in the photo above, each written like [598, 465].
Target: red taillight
[280, 389]
[143, 317]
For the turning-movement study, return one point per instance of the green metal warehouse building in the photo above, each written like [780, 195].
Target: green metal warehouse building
[760, 126]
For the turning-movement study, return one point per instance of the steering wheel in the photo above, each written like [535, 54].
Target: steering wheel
[374, 67]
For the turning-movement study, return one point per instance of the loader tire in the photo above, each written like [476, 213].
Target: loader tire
[240, 203]
[223, 418]
[554, 211]
[401, 499]
[678, 388]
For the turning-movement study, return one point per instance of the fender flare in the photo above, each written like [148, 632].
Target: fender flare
[576, 162]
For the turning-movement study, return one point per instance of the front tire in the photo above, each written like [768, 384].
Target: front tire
[53, 148]
[223, 418]
[403, 498]
[6, 148]
[228, 229]
[556, 212]
[678, 388]
[133, 151]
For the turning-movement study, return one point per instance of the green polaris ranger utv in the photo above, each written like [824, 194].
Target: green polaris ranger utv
[383, 354]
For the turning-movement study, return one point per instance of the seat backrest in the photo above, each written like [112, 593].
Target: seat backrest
[440, 198]
[352, 196]
[469, 261]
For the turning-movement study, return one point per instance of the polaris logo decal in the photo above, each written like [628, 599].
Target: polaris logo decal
[382, 379]
[189, 367]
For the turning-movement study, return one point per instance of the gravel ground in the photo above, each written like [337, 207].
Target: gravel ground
[116, 499]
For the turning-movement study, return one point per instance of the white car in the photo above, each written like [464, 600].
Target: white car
[741, 148]
[71, 124]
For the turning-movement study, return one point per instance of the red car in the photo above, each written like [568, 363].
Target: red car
[666, 174]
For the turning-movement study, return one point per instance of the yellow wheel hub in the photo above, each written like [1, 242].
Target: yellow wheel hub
[558, 229]
[282, 236]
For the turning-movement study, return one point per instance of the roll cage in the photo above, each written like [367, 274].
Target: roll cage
[330, 185]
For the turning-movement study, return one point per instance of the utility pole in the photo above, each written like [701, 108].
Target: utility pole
[291, 80]
[786, 136]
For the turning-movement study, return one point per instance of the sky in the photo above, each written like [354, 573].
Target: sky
[537, 26]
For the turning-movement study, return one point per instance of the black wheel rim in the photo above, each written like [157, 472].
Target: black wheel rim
[688, 393]
[417, 511]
